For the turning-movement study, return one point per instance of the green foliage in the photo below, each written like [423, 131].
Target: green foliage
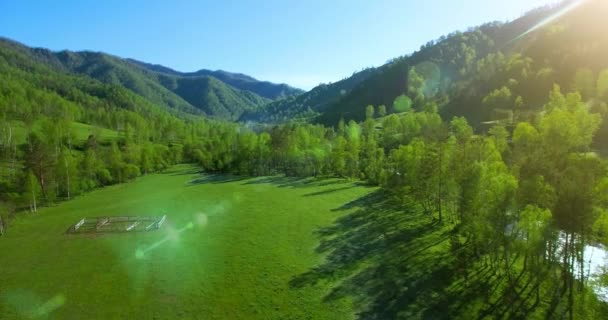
[218, 94]
[402, 103]
[584, 82]
[382, 110]
[310, 104]
[602, 85]
[521, 207]
[568, 125]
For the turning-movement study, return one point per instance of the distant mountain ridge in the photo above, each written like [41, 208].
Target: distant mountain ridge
[241, 81]
[218, 94]
[310, 104]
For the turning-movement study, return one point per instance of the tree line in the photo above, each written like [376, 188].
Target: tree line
[525, 199]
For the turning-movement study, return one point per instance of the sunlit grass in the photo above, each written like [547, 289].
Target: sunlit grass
[228, 250]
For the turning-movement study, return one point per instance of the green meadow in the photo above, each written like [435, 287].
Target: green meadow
[249, 248]
[231, 248]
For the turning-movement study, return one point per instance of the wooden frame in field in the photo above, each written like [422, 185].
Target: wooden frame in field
[115, 224]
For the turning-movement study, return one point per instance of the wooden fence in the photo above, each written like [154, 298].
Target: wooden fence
[117, 224]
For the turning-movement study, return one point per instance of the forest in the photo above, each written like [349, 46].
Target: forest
[503, 147]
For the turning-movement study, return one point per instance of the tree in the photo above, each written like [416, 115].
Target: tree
[40, 160]
[402, 103]
[501, 99]
[369, 112]
[461, 129]
[115, 163]
[147, 156]
[602, 85]
[568, 125]
[533, 223]
[31, 191]
[353, 146]
[67, 173]
[500, 136]
[382, 110]
[338, 156]
[584, 82]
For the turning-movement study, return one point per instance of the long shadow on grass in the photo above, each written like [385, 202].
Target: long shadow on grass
[329, 191]
[295, 182]
[216, 178]
[396, 264]
[390, 261]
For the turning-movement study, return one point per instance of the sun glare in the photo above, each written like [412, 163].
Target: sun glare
[552, 18]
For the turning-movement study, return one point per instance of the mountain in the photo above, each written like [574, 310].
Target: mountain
[218, 94]
[309, 104]
[240, 81]
[494, 72]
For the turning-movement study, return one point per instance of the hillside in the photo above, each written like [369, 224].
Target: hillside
[217, 94]
[465, 73]
[240, 81]
[309, 104]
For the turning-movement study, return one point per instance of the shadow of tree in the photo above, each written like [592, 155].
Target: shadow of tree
[216, 178]
[397, 264]
[181, 172]
[328, 191]
[305, 182]
[386, 259]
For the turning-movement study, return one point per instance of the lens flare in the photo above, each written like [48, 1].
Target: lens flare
[51, 305]
[172, 235]
[201, 219]
[551, 18]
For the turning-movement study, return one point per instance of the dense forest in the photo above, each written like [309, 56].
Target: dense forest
[217, 94]
[497, 139]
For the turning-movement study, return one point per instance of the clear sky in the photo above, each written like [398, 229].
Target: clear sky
[302, 43]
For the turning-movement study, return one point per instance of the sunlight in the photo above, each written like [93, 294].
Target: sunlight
[172, 235]
[551, 18]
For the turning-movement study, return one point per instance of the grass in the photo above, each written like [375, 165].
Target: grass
[250, 238]
[253, 248]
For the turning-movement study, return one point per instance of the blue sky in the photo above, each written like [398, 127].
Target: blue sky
[301, 43]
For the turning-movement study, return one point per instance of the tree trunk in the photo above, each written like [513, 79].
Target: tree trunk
[67, 175]
[440, 193]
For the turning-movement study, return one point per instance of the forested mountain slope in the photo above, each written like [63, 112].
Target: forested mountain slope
[309, 104]
[217, 94]
[240, 81]
[492, 72]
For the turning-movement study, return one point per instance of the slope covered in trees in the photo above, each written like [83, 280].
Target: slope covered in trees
[217, 94]
[307, 105]
[240, 81]
[494, 72]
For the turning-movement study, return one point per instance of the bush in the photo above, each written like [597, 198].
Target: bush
[131, 171]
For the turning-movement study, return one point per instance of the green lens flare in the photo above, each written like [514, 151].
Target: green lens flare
[173, 235]
[51, 305]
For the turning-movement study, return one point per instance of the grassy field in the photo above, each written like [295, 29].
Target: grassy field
[231, 249]
[251, 248]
